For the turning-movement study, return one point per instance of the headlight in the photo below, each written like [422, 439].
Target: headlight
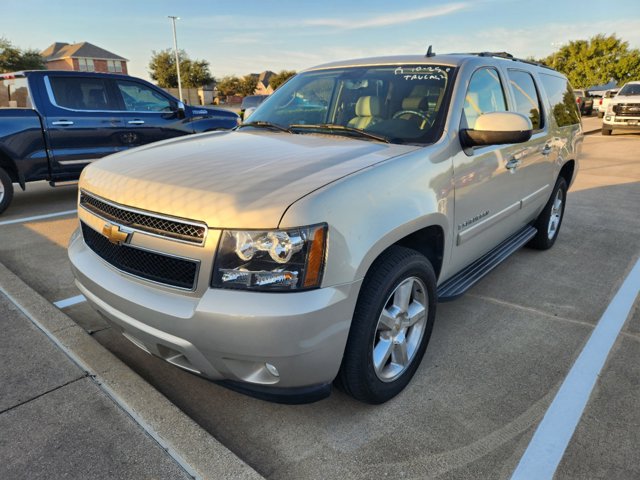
[609, 109]
[291, 259]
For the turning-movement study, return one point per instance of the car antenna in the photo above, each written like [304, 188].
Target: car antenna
[430, 52]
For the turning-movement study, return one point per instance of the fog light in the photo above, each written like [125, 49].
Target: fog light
[272, 370]
[607, 118]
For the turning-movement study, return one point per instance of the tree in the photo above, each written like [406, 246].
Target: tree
[248, 85]
[193, 73]
[596, 61]
[229, 85]
[13, 59]
[279, 78]
[198, 74]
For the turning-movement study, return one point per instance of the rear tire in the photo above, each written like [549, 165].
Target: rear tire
[550, 219]
[6, 190]
[606, 131]
[391, 326]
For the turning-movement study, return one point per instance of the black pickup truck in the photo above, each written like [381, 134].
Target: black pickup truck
[53, 123]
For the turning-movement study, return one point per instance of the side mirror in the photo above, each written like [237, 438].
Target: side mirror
[248, 112]
[497, 128]
[180, 110]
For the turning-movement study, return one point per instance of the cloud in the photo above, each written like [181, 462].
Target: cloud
[386, 20]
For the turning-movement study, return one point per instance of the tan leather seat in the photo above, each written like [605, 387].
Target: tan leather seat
[368, 110]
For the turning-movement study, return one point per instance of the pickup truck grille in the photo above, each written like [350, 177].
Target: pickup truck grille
[172, 271]
[627, 109]
[185, 231]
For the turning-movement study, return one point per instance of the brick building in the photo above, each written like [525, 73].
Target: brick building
[83, 57]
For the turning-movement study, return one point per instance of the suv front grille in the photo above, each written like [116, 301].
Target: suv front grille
[627, 109]
[175, 272]
[146, 222]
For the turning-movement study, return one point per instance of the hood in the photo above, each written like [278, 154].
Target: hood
[213, 111]
[626, 99]
[240, 179]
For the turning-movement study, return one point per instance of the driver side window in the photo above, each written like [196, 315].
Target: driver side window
[140, 98]
[485, 95]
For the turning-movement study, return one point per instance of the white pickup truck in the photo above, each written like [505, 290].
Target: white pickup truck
[623, 111]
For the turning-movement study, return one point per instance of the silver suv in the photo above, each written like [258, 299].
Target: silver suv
[314, 242]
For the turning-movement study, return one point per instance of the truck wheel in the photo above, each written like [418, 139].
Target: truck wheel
[550, 220]
[606, 131]
[600, 114]
[391, 326]
[6, 190]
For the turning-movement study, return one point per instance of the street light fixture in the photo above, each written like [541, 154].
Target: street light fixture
[175, 49]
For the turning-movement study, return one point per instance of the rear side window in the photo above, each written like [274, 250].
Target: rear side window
[141, 98]
[526, 96]
[562, 100]
[78, 93]
[14, 93]
[484, 95]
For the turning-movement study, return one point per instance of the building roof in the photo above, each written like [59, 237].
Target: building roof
[60, 50]
[265, 77]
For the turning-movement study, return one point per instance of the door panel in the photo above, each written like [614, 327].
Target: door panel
[83, 124]
[487, 193]
[487, 202]
[536, 169]
[149, 115]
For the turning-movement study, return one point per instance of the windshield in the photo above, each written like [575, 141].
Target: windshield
[629, 89]
[396, 103]
[252, 101]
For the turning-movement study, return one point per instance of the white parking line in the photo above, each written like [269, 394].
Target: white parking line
[547, 447]
[39, 217]
[67, 302]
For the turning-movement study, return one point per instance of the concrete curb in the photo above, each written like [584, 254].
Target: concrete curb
[201, 455]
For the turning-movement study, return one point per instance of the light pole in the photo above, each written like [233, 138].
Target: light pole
[175, 49]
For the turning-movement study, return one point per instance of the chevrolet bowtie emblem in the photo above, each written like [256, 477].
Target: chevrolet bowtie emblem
[114, 234]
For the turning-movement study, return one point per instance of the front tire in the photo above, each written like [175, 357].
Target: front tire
[550, 219]
[600, 114]
[6, 190]
[391, 326]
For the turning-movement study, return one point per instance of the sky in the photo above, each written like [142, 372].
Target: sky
[246, 36]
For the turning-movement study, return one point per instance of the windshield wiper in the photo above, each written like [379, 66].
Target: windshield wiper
[263, 124]
[339, 128]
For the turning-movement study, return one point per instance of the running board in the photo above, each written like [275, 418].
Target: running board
[65, 183]
[470, 275]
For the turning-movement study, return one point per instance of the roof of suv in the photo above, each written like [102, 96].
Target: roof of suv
[450, 59]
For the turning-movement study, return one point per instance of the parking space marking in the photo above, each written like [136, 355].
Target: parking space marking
[67, 302]
[39, 217]
[549, 442]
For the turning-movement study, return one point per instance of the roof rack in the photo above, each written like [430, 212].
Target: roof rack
[506, 56]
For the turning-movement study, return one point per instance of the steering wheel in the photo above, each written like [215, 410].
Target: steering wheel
[411, 112]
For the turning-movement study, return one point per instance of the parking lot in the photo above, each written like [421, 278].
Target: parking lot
[495, 362]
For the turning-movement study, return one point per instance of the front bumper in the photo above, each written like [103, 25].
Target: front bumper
[621, 123]
[225, 334]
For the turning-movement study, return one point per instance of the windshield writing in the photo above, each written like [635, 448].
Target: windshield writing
[395, 103]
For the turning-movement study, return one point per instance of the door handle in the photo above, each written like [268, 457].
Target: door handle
[512, 164]
[135, 122]
[546, 150]
[62, 123]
